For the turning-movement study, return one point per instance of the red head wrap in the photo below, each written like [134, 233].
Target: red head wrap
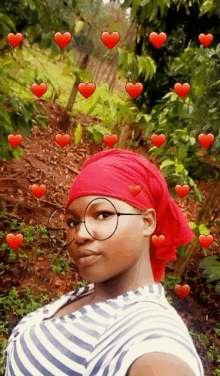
[111, 172]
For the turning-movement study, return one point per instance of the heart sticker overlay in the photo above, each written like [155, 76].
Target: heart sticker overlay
[135, 189]
[134, 89]
[206, 139]
[182, 190]
[158, 139]
[38, 190]
[62, 39]
[206, 40]
[86, 89]
[157, 39]
[205, 240]
[182, 291]
[110, 139]
[15, 39]
[14, 240]
[182, 89]
[62, 140]
[39, 90]
[110, 39]
[14, 140]
[158, 240]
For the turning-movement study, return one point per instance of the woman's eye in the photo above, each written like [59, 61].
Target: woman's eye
[104, 213]
[74, 222]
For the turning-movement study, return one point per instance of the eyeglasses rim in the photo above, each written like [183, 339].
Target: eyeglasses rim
[98, 198]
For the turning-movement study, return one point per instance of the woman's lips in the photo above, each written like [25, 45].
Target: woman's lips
[87, 260]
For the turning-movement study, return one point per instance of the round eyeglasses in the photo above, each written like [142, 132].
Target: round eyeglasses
[100, 221]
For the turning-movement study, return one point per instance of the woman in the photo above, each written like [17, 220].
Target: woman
[120, 324]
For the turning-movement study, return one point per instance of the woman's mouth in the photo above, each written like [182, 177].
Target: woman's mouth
[87, 260]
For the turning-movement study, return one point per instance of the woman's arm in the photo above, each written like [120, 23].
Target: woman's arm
[159, 364]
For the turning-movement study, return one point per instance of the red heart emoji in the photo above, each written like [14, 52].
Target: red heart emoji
[205, 39]
[110, 39]
[62, 140]
[62, 39]
[158, 139]
[86, 89]
[182, 190]
[14, 240]
[38, 190]
[182, 291]
[15, 39]
[39, 90]
[206, 240]
[134, 89]
[182, 90]
[158, 39]
[14, 140]
[110, 139]
[206, 139]
[158, 240]
[135, 189]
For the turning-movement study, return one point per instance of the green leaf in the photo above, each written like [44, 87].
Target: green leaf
[78, 134]
[4, 116]
[193, 225]
[78, 27]
[166, 163]
[42, 120]
[184, 112]
[218, 50]
[206, 7]
[135, 6]
[5, 19]
[31, 4]
[120, 56]
[100, 129]
[182, 150]
[217, 289]
[179, 168]
[18, 152]
[204, 230]
[212, 273]
[27, 112]
[192, 140]
[130, 59]
[141, 64]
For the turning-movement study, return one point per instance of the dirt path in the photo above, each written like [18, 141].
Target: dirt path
[45, 162]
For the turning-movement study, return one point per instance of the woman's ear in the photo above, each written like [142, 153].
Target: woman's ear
[150, 222]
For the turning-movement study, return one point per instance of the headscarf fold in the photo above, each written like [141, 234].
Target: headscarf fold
[111, 172]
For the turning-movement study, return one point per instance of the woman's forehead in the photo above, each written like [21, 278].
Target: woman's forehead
[82, 202]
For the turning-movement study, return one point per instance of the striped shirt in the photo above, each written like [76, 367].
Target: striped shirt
[101, 339]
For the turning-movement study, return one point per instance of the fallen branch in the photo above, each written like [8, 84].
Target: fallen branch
[73, 170]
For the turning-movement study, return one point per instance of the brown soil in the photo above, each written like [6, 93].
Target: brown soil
[45, 162]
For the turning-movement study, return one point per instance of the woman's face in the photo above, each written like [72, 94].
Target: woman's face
[119, 252]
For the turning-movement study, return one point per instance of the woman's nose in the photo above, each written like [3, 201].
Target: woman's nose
[80, 231]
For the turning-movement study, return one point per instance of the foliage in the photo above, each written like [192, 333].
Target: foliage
[62, 264]
[21, 306]
[140, 67]
[170, 282]
[78, 133]
[179, 60]
[211, 272]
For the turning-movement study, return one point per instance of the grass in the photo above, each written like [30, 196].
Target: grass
[35, 65]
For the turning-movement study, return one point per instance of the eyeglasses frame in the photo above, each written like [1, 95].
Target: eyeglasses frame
[118, 215]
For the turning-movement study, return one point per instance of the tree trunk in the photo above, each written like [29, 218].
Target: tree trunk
[194, 246]
[65, 120]
[96, 75]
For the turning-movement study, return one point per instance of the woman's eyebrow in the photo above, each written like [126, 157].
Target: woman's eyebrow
[72, 211]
